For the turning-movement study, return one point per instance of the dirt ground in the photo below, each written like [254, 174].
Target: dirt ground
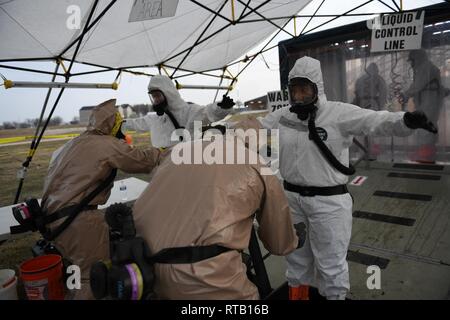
[14, 251]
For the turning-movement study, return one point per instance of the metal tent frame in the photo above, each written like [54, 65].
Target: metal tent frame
[177, 71]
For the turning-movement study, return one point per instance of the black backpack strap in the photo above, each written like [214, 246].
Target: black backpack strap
[75, 210]
[190, 254]
[173, 119]
[324, 149]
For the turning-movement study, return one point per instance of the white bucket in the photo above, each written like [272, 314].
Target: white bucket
[8, 285]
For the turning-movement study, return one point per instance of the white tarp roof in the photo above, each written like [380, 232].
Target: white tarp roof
[37, 29]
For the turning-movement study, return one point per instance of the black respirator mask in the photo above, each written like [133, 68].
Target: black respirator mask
[303, 96]
[127, 275]
[159, 101]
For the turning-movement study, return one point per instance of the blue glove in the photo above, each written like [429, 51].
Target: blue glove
[226, 103]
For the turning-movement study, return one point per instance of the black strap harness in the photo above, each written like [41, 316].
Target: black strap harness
[173, 119]
[314, 136]
[315, 191]
[189, 254]
[39, 219]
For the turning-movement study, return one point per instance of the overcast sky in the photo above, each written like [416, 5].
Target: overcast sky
[18, 104]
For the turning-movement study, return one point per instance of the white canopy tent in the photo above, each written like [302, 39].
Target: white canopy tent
[202, 36]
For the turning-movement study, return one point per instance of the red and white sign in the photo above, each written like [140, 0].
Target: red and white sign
[358, 180]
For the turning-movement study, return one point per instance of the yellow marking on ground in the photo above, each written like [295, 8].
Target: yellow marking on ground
[25, 138]
[57, 136]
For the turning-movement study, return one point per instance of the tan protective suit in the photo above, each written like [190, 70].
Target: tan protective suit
[199, 204]
[75, 170]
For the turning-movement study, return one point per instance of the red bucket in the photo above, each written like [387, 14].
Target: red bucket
[43, 277]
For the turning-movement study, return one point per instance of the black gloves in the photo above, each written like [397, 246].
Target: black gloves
[300, 230]
[418, 119]
[226, 102]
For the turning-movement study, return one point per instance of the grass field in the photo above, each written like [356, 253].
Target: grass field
[12, 157]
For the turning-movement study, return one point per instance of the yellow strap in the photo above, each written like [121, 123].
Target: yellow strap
[165, 71]
[232, 11]
[62, 65]
[295, 26]
[31, 152]
[117, 123]
[229, 73]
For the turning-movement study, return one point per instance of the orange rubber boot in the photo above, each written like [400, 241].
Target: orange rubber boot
[299, 293]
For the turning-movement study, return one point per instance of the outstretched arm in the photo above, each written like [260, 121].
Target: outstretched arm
[353, 120]
[138, 124]
[133, 160]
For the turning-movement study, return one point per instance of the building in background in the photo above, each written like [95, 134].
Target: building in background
[259, 103]
[85, 113]
[126, 110]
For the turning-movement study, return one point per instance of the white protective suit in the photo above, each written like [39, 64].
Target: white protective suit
[322, 260]
[161, 127]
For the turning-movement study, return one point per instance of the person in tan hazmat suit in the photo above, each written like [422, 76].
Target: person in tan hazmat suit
[76, 169]
[211, 204]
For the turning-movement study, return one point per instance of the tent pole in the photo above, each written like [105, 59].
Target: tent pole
[210, 36]
[259, 52]
[212, 11]
[33, 145]
[200, 36]
[245, 8]
[30, 70]
[233, 19]
[381, 1]
[67, 76]
[83, 33]
[301, 32]
[90, 26]
[268, 20]
[341, 15]
[27, 59]
[220, 83]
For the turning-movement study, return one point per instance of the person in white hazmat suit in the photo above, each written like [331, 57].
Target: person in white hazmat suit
[172, 113]
[315, 136]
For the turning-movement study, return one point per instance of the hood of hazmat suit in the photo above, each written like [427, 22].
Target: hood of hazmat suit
[175, 103]
[161, 127]
[212, 203]
[309, 68]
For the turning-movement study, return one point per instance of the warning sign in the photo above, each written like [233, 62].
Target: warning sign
[400, 31]
[277, 100]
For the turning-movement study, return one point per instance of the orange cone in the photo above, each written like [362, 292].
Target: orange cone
[299, 293]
